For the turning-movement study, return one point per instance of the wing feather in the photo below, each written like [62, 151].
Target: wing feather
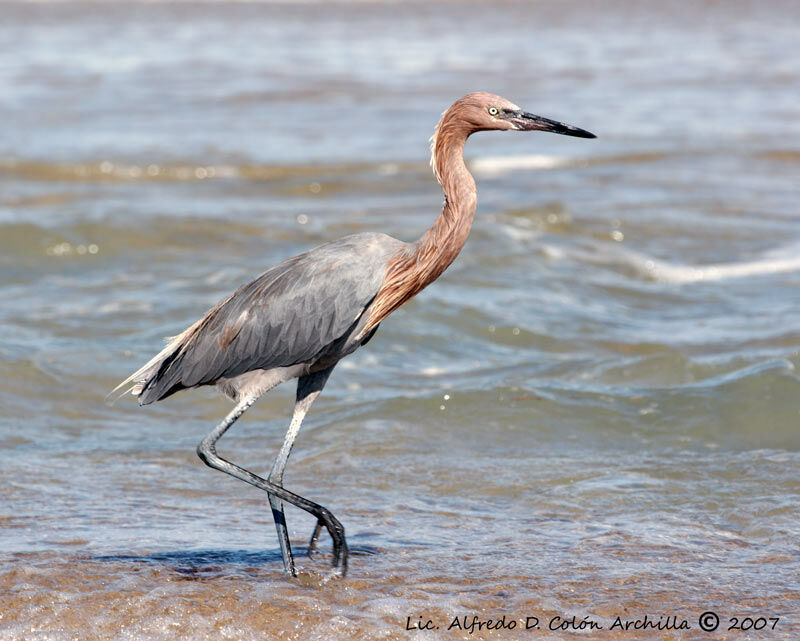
[288, 315]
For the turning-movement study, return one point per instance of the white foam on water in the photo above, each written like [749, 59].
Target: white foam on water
[777, 261]
[495, 165]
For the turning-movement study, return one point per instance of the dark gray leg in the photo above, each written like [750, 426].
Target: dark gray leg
[207, 452]
[308, 388]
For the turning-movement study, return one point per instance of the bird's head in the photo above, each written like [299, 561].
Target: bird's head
[485, 112]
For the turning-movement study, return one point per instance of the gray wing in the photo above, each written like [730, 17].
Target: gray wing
[289, 315]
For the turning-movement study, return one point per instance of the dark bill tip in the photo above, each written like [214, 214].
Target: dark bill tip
[530, 122]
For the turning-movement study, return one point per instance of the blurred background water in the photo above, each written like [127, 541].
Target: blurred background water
[594, 412]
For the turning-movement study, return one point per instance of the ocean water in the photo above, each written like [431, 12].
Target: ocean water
[593, 413]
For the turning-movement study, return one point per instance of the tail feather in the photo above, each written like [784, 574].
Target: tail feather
[139, 380]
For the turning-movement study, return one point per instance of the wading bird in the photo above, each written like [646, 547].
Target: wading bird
[298, 319]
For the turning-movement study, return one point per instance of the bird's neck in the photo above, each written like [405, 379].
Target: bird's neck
[439, 246]
[425, 260]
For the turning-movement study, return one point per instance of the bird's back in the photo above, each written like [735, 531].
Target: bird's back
[306, 308]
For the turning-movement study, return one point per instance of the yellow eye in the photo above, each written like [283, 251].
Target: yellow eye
[493, 111]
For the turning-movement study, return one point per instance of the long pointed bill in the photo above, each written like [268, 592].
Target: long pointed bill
[524, 121]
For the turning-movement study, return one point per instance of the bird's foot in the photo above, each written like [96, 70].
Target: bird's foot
[312, 544]
[336, 530]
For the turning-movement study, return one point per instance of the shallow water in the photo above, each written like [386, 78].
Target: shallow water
[593, 413]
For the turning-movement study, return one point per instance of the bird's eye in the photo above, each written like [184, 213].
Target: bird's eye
[493, 111]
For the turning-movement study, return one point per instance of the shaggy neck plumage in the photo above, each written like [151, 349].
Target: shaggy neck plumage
[451, 228]
[410, 272]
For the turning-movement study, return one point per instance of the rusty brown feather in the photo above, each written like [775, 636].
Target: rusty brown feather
[410, 272]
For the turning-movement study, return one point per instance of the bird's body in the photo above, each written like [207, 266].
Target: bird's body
[299, 318]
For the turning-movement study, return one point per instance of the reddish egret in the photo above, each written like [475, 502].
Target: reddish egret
[298, 319]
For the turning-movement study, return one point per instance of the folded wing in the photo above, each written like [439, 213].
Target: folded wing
[291, 314]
